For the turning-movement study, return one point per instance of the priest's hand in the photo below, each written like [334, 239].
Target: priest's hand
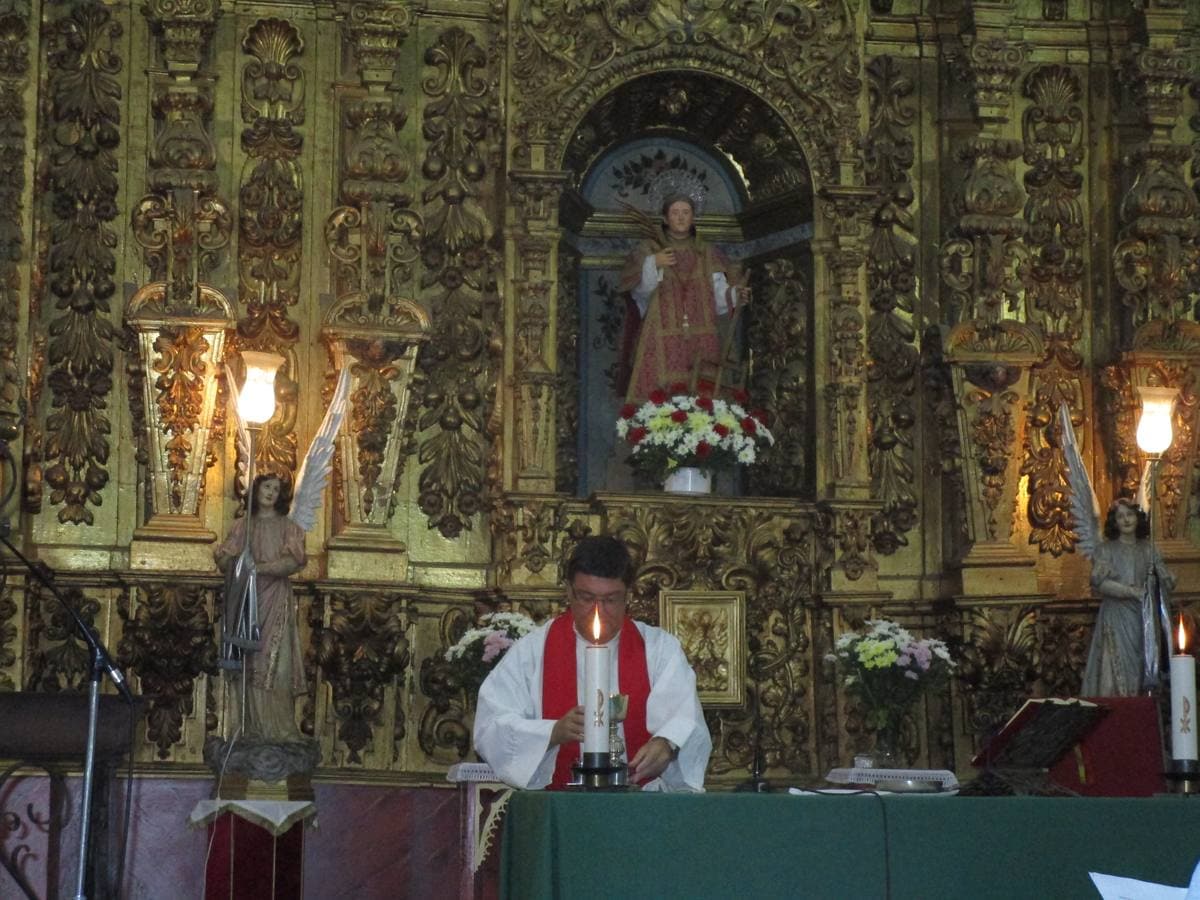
[650, 762]
[664, 259]
[569, 728]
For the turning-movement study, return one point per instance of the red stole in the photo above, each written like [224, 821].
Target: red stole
[560, 692]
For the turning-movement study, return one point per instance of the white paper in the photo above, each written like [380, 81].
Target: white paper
[1112, 887]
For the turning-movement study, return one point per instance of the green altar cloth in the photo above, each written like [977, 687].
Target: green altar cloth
[845, 847]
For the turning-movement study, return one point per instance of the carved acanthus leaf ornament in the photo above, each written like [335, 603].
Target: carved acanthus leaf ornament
[459, 265]
[270, 218]
[168, 643]
[892, 289]
[363, 653]
[82, 128]
[1053, 274]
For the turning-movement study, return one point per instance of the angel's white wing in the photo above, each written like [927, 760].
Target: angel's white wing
[1085, 508]
[243, 435]
[318, 462]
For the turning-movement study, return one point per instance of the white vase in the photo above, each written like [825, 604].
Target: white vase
[687, 480]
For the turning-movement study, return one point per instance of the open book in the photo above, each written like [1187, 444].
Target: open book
[1040, 733]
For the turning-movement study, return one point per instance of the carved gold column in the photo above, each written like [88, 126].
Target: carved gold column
[843, 461]
[1155, 261]
[375, 327]
[992, 347]
[531, 349]
[182, 225]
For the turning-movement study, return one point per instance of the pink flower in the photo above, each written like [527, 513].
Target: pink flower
[495, 644]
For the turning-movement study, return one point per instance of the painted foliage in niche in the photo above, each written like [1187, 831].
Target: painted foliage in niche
[892, 382]
[82, 133]
[270, 218]
[1052, 127]
[459, 271]
[566, 469]
[779, 332]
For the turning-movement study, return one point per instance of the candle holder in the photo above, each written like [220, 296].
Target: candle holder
[605, 771]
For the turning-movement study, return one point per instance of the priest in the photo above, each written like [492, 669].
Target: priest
[529, 719]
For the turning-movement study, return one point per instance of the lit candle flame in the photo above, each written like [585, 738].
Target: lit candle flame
[596, 624]
[1181, 636]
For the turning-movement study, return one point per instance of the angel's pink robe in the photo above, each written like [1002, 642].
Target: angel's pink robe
[275, 674]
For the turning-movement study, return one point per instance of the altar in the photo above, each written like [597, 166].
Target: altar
[839, 846]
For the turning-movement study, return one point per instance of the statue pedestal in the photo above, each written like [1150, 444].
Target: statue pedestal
[174, 544]
[366, 553]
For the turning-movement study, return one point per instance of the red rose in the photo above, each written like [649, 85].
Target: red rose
[679, 388]
[679, 416]
[703, 449]
[705, 403]
[635, 435]
[657, 396]
[721, 430]
[741, 396]
[628, 411]
[762, 415]
[749, 425]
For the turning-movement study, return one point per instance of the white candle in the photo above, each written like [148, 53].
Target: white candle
[597, 666]
[1183, 700]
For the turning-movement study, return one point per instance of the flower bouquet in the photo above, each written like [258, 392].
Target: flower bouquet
[477, 652]
[886, 669]
[674, 429]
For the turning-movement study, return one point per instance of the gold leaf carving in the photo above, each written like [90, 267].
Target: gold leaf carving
[83, 127]
[457, 365]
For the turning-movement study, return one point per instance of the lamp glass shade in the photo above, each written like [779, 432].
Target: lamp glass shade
[1154, 431]
[256, 403]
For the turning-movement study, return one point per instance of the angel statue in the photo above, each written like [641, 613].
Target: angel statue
[1129, 575]
[680, 285]
[260, 630]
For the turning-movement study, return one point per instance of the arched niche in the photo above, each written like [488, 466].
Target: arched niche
[758, 209]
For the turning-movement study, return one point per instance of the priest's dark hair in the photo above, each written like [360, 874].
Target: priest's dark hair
[602, 556]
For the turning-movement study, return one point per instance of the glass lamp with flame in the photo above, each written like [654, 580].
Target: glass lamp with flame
[1154, 430]
[256, 402]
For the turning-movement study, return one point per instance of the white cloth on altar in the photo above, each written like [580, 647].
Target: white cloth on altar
[276, 816]
[512, 736]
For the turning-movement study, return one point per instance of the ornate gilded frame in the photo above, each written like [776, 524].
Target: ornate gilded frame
[711, 625]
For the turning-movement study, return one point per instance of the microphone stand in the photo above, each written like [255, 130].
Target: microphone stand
[101, 663]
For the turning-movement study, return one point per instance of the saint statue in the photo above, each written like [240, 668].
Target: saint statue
[260, 629]
[680, 285]
[1132, 627]
[271, 651]
[1126, 571]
